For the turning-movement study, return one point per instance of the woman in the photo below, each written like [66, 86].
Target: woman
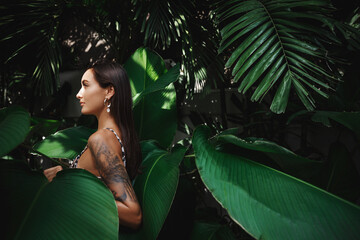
[113, 151]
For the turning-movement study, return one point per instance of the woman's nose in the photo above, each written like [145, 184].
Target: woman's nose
[79, 94]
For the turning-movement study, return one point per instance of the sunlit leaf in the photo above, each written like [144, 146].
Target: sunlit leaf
[269, 204]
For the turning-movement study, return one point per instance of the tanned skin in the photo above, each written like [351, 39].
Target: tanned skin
[111, 169]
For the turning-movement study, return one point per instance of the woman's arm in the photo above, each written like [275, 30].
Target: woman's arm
[113, 172]
[50, 173]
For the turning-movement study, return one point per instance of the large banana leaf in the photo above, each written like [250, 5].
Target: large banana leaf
[160, 84]
[269, 204]
[44, 127]
[75, 205]
[66, 143]
[155, 114]
[278, 43]
[288, 161]
[155, 188]
[14, 126]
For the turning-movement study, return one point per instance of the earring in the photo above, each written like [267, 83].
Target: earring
[108, 106]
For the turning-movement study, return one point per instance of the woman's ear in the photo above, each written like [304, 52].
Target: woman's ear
[110, 91]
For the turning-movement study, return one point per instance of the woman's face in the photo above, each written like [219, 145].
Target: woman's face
[91, 95]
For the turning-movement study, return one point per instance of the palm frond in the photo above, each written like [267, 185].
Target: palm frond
[188, 24]
[279, 45]
[32, 28]
[164, 22]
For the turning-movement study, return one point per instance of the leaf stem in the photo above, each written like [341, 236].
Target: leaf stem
[278, 36]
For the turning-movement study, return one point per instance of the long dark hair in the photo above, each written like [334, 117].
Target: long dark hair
[113, 74]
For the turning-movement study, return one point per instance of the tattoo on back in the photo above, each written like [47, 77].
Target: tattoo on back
[112, 172]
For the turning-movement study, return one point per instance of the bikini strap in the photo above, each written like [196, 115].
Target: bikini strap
[122, 146]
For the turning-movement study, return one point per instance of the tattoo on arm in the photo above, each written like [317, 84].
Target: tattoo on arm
[112, 172]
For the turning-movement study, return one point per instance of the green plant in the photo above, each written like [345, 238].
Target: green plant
[75, 205]
[245, 188]
[154, 96]
[267, 203]
[278, 54]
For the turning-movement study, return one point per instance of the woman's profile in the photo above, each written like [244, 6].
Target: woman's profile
[113, 151]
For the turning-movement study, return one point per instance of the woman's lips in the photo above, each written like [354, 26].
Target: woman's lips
[82, 104]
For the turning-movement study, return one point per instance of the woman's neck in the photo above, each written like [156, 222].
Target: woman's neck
[106, 120]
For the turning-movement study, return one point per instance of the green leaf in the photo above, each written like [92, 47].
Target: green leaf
[44, 126]
[211, 231]
[280, 100]
[350, 120]
[286, 159]
[34, 27]
[260, 67]
[155, 188]
[270, 79]
[294, 31]
[14, 126]
[155, 113]
[160, 84]
[67, 143]
[75, 205]
[269, 204]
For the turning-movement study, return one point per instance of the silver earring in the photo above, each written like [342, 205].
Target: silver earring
[108, 106]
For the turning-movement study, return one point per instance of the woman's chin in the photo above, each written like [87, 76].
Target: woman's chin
[84, 112]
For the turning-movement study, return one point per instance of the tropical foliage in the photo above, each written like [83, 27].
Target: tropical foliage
[281, 56]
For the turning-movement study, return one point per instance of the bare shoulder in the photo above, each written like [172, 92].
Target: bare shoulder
[101, 135]
[102, 145]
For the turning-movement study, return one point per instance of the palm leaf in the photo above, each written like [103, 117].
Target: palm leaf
[187, 23]
[31, 28]
[277, 44]
[164, 22]
[269, 204]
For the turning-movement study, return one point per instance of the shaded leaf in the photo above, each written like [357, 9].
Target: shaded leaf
[350, 120]
[14, 126]
[211, 231]
[282, 37]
